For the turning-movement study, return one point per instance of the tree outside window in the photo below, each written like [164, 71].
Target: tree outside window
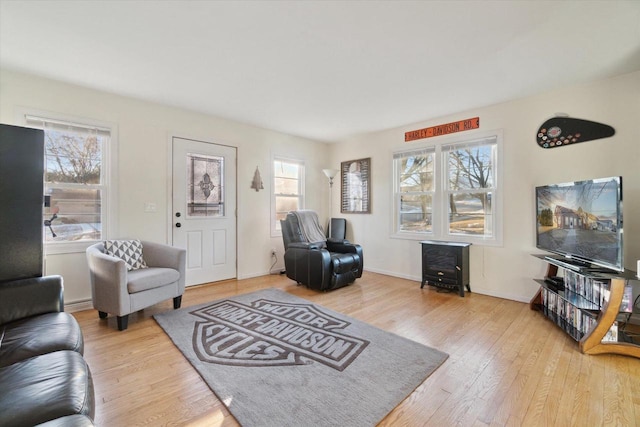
[415, 171]
[448, 192]
[288, 189]
[73, 180]
[470, 187]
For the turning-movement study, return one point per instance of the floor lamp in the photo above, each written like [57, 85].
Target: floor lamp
[330, 173]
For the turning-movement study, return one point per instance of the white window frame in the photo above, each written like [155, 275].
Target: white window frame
[397, 195]
[108, 185]
[275, 224]
[440, 225]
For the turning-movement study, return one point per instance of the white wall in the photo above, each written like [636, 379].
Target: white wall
[507, 271]
[143, 132]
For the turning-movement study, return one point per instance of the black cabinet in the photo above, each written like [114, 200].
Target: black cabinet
[445, 265]
[21, 201]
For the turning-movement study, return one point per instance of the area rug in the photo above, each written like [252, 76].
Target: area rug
[278, 360]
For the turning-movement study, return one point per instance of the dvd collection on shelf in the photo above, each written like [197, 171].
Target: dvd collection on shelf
[596, 290]
[576, 308]
[590, 288]
[573, 320]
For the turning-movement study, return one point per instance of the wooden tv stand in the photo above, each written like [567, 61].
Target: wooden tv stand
[603, 315]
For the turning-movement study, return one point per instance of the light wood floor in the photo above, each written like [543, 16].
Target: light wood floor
[508, 365]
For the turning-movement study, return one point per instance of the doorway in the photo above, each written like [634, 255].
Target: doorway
[204, 208]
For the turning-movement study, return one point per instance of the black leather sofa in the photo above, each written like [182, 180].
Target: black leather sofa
[44, 379]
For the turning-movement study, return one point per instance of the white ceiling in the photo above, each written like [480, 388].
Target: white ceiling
[322, 69]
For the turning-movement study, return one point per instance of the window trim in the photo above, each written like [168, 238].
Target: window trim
[275, 232]
[440, 229]
[427, 150]
[108, 186]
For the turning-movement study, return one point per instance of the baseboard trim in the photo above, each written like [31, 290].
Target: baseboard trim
[476, 290]
[252, 275]
[502, 295]
[78, 306]
[394, 274]
[418, 279]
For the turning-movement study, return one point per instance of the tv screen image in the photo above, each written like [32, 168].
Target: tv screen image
[582, 220]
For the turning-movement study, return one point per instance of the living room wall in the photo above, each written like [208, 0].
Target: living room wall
[144, 131]
[507, 271]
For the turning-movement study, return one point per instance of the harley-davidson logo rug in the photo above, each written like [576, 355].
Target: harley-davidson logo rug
[275, 359]
[270, 333]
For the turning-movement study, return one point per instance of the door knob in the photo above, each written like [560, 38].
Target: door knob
[178, 225]
[177, 214]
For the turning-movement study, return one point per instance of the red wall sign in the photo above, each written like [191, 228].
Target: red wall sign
[445, 129]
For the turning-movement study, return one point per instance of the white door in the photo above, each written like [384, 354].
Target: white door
[204, 208]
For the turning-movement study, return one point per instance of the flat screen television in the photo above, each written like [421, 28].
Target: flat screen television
[582, 221]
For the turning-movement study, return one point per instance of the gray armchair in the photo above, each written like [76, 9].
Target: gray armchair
[120, 292]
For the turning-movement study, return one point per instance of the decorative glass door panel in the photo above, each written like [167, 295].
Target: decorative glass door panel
[205, 186]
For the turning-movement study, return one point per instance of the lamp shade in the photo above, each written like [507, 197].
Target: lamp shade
[330, 173]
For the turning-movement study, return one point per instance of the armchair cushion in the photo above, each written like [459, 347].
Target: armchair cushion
[149, 278]
[130, 251]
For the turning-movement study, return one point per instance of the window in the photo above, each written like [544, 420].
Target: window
[75, 182]
[470, 185]
[288, 190]
[415, 189]
[449, 191]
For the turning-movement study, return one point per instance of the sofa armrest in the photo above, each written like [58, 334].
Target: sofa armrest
[305, 245]
[108, 276]
[30, 297]
[337, 241]
[346, 248]
[161, 255]
[342, 246]
[311, 267]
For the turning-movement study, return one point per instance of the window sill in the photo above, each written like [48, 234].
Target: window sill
[413, 236]
[448, 238]
[68, 247]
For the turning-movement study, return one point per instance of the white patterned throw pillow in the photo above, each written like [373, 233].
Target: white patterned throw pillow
[130, 251]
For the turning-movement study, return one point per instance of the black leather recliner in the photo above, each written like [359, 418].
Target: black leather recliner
[323, 264]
